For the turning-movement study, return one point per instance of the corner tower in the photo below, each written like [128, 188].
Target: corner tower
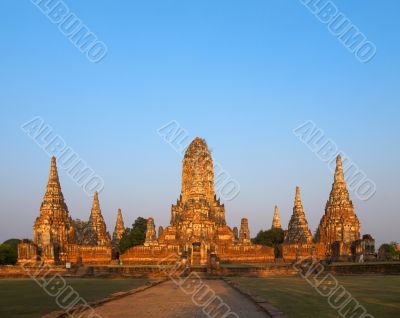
[339, 223]
[298, 230]
[119, 227]
[53, 229]
[97, 224]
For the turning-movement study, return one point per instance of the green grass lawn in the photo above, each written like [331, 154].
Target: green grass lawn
[21, 298]
[380, 295]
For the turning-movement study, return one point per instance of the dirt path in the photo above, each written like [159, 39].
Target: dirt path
[168, 300]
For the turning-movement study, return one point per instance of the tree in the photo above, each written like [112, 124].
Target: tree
[134, 236]
[13, 243]
[272, 237]
[388, 252]
[84, 234]
[9, 252]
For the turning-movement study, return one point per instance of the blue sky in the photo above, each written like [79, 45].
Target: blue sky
[241, 74]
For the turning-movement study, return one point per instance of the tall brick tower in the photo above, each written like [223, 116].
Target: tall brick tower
[97, 224]
[53, 229]
[339, 226]
[298, 230]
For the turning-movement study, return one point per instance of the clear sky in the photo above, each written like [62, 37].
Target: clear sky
[241, 74]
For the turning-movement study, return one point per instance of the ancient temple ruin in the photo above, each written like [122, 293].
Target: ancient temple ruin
[53, 228]
[339, 228]
[198, 233]
[298, 230]
[119, 227]
[56, 238]
[119, 230]
[198, 227]
[298, 240]
[97, 224]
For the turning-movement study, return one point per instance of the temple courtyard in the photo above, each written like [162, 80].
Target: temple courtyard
[293, 295]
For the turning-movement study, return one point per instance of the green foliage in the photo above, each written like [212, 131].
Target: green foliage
[9, 252]
[270, 237]
[388, 251]
[13, 243]
[134, 236]
[84, 234]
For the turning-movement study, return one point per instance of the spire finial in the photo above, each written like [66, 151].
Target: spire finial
[119, 226]
[276, 221]
[53, 176]
[297, 198]
[339, 174]
[96, 204]
[298, 205]
[53, 188]
[120, 219]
